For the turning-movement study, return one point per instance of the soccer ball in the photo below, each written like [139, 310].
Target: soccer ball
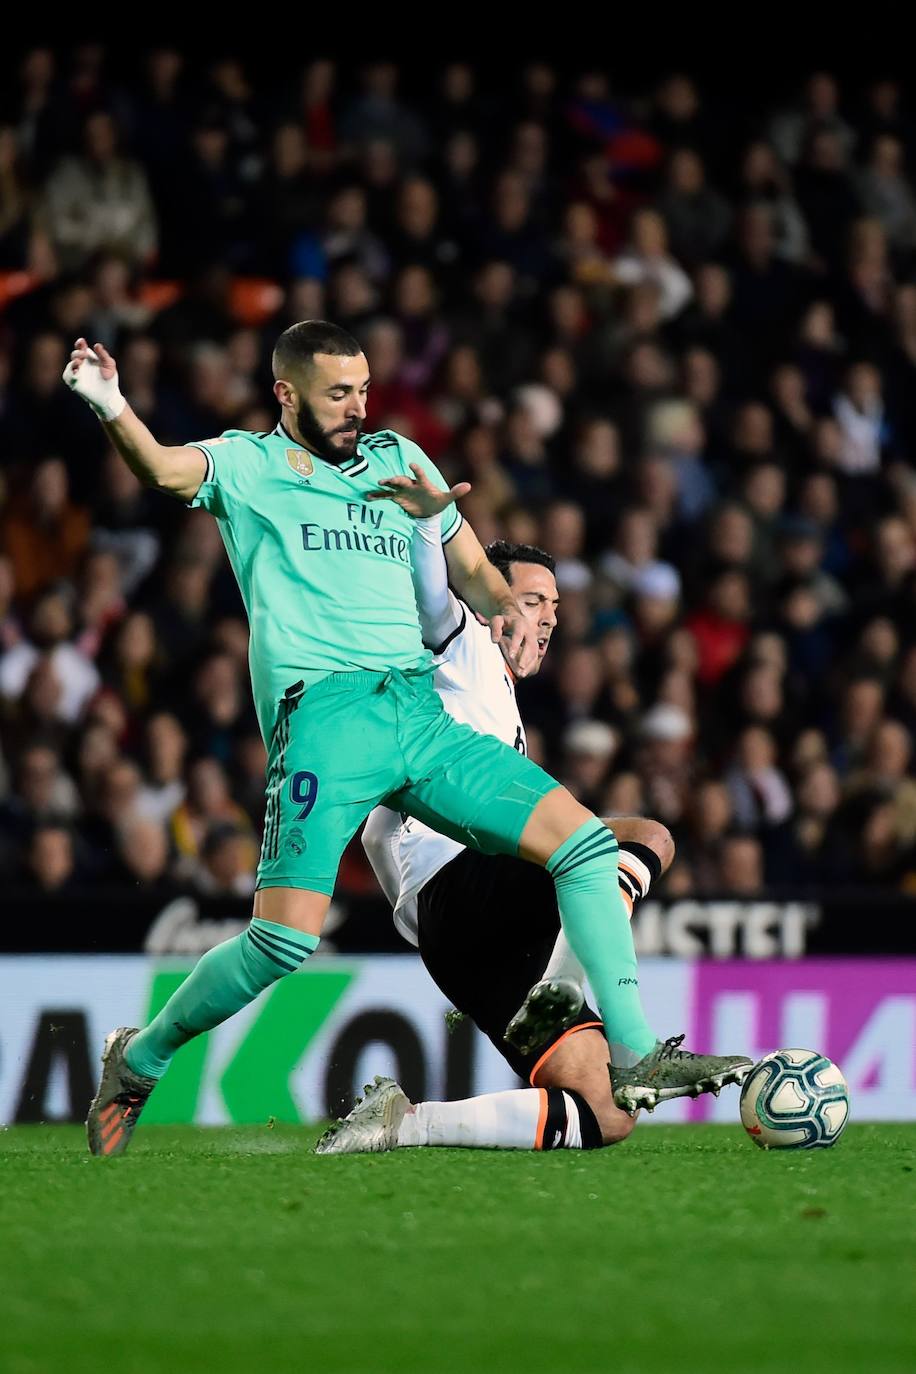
[794, 1099]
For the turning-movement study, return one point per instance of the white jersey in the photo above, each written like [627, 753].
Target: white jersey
[476, 688]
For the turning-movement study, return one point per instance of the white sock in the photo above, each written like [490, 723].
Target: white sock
[563, 963]
[633, 877]
[521, 1119]
[634, 880]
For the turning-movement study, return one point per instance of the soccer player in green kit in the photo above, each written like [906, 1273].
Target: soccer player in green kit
[343, 690]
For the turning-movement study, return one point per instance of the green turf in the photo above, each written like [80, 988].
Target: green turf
[684, 1250]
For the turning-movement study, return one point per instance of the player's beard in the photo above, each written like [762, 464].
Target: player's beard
[319, 440]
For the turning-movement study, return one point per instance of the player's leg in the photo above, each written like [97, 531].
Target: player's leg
[310, 819]
[642, 1075]
[289, 906]
[520, 1119]
[283, 932]
[478, 790]
[507, 909]
[581, 855]
[579, 1062]
[568, 1107]
[646, 851]
[485, 794]
[222, 982]
[490, 797]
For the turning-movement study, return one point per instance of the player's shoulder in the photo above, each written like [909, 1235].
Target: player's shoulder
[389, 447]
[383, 438]
[240, 438]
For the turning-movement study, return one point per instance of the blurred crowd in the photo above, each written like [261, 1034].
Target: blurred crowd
[672, 343]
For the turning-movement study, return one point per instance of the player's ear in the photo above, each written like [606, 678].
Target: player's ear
[285, 393]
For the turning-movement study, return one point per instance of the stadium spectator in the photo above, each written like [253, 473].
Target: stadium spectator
[741, 866]
[50, 861]
[225, 866]
[589, 747]
[115, 309]
[97, 752]
[33, 422]
[143, 856]
[764, 180]
[50, 643]
[647, 258]
[207, 804]
[117, 803]
[46, 535]
[379, 115]
[166, 747]
[887, 195]
[720, 626]
[98, 200]
[711, 815]
[818, 108]
[760, 792]
[41, 792]
[697, 216]
[15, 204]
[102, 600]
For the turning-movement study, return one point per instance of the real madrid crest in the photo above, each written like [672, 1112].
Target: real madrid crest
[300, 461]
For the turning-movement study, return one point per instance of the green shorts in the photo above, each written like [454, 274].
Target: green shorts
[357, 739]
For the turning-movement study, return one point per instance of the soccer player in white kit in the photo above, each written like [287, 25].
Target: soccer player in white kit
[508, 936]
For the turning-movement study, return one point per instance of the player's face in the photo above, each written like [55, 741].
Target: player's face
[331, 405]
[535, 591]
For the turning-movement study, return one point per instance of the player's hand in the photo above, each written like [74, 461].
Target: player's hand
[518, 643]
[93, 374]
[417, 495]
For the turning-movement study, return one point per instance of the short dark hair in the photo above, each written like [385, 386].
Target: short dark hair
[502, 554]
[298, 345]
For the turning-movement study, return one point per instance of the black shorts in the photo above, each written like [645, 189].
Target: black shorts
[487, 926]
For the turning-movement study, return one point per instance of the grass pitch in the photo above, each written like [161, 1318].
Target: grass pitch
[684, 1250]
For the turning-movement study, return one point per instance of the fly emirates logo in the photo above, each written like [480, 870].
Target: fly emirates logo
[363, 535]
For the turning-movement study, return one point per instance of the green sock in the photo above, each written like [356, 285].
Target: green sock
[584, 871]
[224, 980]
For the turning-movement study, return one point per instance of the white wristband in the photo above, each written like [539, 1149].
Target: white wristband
[110, 409]
[101, 394]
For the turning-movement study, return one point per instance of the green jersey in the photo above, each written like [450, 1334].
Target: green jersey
[325, 575]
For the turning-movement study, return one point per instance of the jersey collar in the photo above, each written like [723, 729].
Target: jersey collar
[350, 466]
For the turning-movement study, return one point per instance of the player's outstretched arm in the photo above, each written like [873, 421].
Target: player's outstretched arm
[440, 613]
[92, 374]
[484, 588]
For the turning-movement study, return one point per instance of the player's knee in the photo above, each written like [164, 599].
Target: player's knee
[660, 840]
[645, 831]
[556, 817]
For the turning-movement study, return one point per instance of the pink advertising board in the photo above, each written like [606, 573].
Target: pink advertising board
[860, 1012]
